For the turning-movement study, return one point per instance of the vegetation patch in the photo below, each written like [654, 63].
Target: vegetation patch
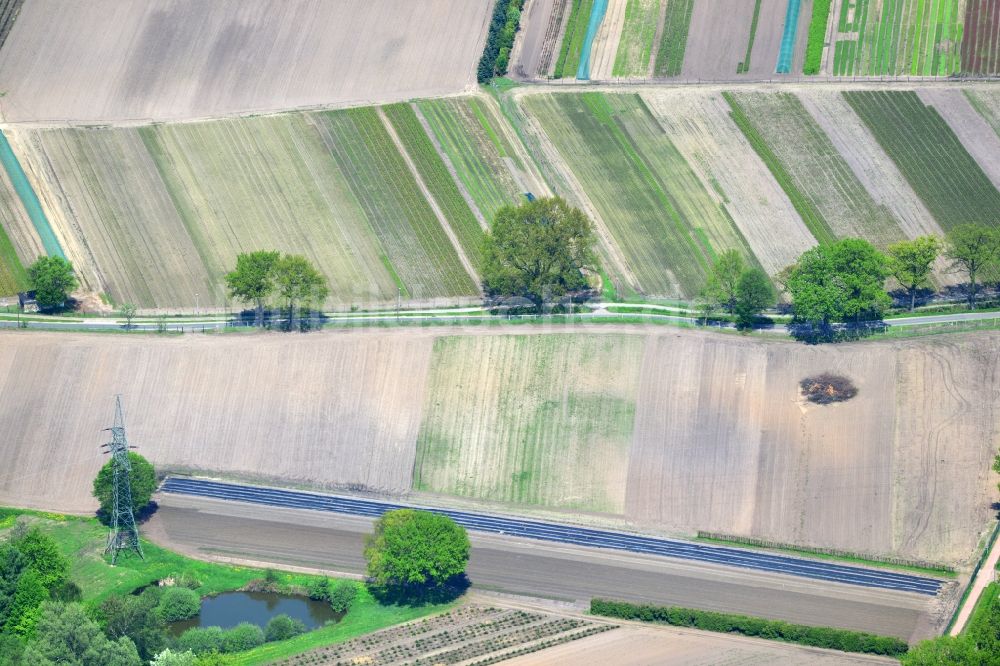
[638, 34]
[823, 637]
[827, 388]
[673, 40]
[817, 36]
[932, 159]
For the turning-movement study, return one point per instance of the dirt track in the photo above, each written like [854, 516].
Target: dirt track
[314, 539]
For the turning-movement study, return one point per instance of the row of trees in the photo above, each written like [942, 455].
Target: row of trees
[263, 274]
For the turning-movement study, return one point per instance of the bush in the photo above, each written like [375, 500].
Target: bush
[244, 636]
[824, 637]
[342, 595]
[282, 627]
[827, 388]
[179, 603]
[201, 640]
[319, 589]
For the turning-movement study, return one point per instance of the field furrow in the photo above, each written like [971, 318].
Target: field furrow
[700, 128]
[543, 420]
[816, 169]
[415, 244]
[936, 164]
[475, 150]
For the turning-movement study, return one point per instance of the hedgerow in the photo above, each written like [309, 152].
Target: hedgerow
[824, 637]
[817, 36]
[500, 39]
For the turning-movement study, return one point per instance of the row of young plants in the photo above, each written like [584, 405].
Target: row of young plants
[500, 39]
[823, 637]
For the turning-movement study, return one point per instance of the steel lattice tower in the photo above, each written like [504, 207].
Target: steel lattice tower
[124, 534]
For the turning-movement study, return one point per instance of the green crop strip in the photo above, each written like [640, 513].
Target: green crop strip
[810, 215]
[744, 67]
[817, 36]
[931, 158]
[13, 277]
[673, 40]
[438, 180]
[572, 44]
[638, 33]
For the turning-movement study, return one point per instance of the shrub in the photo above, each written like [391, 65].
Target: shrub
[282, 627]
[319, 589]
[201, 640]
[179, 603]
[827, 388]
[342, 595]
[824, 637]
[244, 636]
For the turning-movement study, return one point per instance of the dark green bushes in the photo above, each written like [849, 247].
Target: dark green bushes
[824, 637]
[817, 36]
[179, 603]
[500, 40]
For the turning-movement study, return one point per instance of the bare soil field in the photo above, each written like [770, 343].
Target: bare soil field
[720, 439]
[632, 645]
[115, 60]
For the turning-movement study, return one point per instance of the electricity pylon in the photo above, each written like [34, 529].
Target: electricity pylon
[124, 534]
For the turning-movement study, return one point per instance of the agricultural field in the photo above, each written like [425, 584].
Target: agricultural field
[177, 59]
[465, 128]
[942, 172]
[437, 179]
[536, 47]
[668, 227]
[638, 34]
[9, 9]
[830, 198]
[673, 38]
[670, 430]
[19, 244]
[981, 39]
[970, 127]
[986, 101]
[571, 49]
[548, 405]
[898, 37]
[606, 39]
[699, 125]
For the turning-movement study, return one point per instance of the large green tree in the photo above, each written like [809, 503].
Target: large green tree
[253, 279]
[412, 550]
[136, 617]
[973, 249]
[538, 251]
[52, 280]
[754, 294]
[298, 282]
[910, 262]
[142, 480]
[66, 636]
[724, 280]
[842, 281]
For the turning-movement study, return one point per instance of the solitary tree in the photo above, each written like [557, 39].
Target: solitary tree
[754, 294]
[973, 249]
[52, 279]
[724, 280]
[537, 251]
[412, 552]
[253, 279]
[128, 314]
[838, 282]
[299, 282]
[142, 479]
[910, 263]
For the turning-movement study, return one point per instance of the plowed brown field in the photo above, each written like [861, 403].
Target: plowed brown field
[720, 439]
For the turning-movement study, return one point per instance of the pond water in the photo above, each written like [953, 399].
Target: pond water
[230, 608]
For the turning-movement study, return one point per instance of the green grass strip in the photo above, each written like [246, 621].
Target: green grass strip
[13, 277]
[817, 36]
[744, 66]
[776, 630]
[673, 41]
[810, 215]
[438, 180]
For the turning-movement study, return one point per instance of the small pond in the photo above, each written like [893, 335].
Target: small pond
[228, 609]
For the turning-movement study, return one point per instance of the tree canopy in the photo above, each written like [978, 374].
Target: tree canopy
[754, 294]
[538, 251]
[67, 636]
[724, 279]
[841, 281]
[413, 550]
[31, 571]
[52, 280]
[910, 262]
[142, 479]
[297, 281]
[973, 249]
[253, 279]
